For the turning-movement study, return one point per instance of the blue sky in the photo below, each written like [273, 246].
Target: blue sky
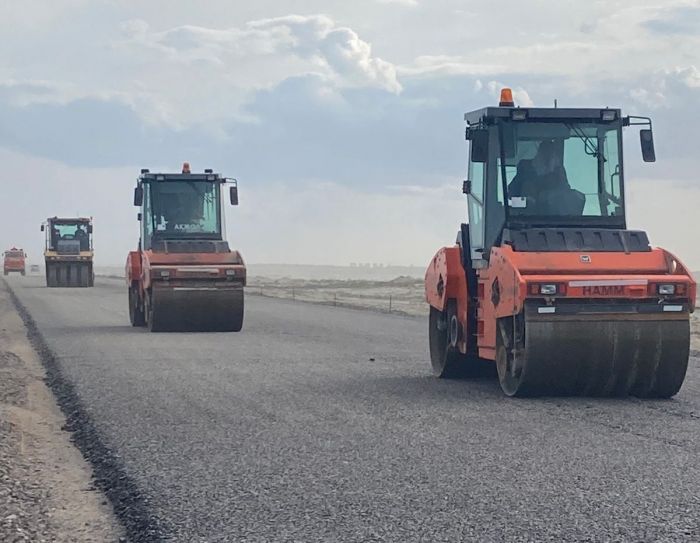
[341, 120]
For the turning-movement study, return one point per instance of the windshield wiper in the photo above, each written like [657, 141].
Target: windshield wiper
[590, 147]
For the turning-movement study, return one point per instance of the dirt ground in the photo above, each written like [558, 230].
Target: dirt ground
[403, 295]
[46, 490]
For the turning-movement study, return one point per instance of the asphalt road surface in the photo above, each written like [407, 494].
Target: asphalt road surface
[324, 424]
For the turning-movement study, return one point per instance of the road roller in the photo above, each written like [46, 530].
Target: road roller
[546, 281]
[184, 276]
[69, 252]
[14, 260]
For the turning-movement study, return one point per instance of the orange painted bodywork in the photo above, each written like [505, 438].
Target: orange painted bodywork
[582, 276]
[144, 267]
[445, 280]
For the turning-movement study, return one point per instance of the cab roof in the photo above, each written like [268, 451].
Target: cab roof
[148, 176]
[487, 115]
[60, 220]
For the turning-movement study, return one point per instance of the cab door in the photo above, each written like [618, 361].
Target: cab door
[475, 208]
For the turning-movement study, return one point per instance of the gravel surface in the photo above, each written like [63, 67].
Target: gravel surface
[323, 424]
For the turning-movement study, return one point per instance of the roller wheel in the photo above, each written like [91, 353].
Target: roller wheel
[510, 367]
[443, 332]
[136, 313]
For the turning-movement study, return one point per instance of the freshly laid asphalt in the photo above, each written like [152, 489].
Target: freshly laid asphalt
[319, 423]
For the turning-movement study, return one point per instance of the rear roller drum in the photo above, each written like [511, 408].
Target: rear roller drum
[444, 332]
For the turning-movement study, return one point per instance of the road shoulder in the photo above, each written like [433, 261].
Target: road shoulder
[46, 487]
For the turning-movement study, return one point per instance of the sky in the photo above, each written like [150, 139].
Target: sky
[342, 121]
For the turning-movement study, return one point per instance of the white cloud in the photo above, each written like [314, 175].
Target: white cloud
[690, 76]
[667, 88]
[428, 66]
[205, 73]
[23, 93]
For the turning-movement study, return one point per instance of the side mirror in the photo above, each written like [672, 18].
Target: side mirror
[233, 195]
[138, 216]
[42, 227]
[138, 196]
[479, 145]
[89, 229]
[646, 139]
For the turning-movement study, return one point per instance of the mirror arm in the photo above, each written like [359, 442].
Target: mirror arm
[634, 120]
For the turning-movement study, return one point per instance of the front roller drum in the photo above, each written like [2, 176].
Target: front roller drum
[195, 309]
[593, 356]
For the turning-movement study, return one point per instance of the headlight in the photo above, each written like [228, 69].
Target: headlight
[548, 290]
[667, 289]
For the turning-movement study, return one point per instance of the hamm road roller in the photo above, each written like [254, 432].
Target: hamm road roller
[184, 276]
[69, 253]
[546, 280]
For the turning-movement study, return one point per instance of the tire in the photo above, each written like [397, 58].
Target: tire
[51, 276]
[83, 275]
[136, 311]
[62, 273]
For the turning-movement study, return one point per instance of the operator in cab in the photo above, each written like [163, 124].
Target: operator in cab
[82, 236]
[544, 184]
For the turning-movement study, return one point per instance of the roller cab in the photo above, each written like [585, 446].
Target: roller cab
[545, 280]
[184, 276]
